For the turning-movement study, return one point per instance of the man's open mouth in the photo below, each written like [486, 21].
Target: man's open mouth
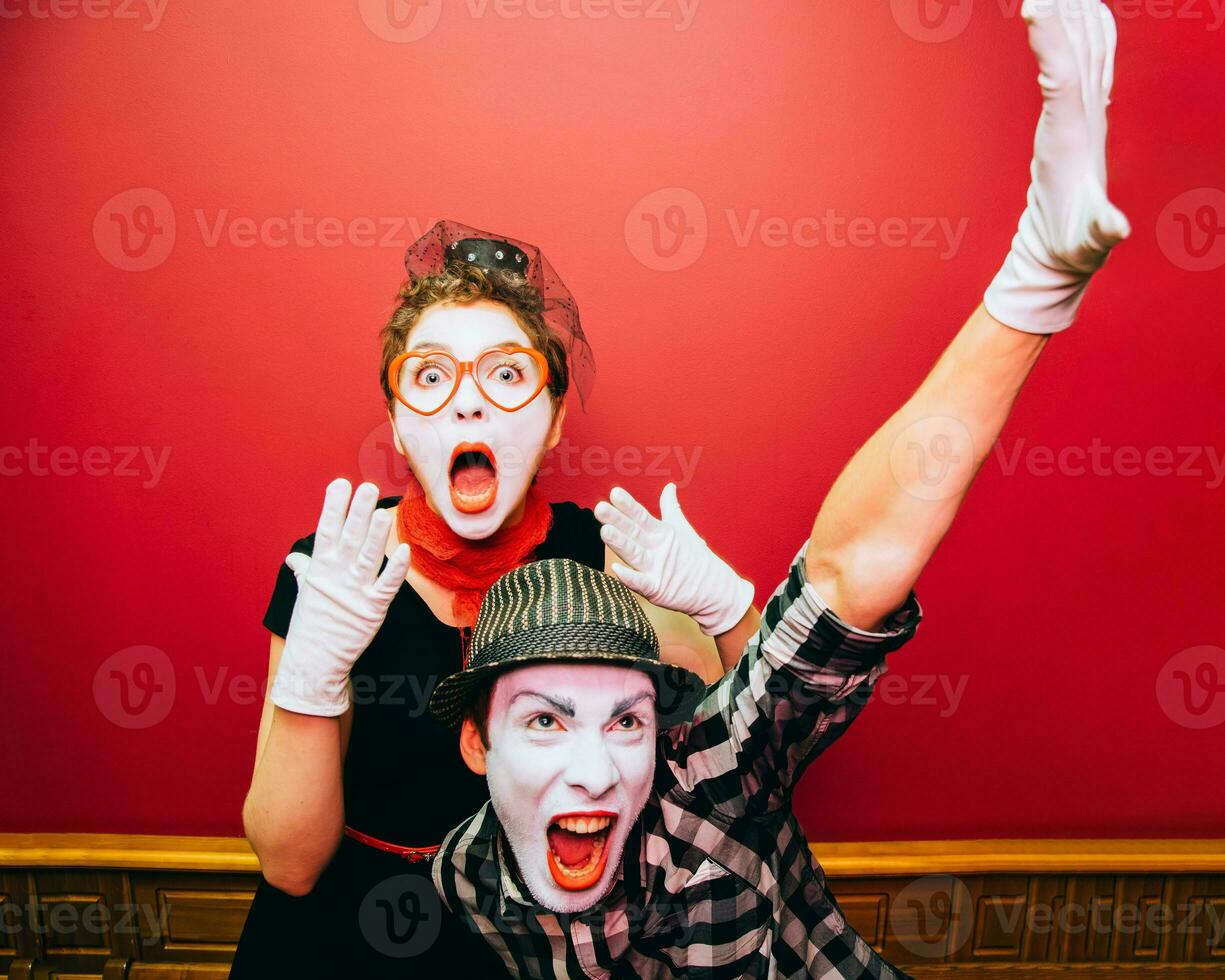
[578, 848]
[473, 477]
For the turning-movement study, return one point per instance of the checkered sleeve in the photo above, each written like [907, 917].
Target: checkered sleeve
[803, 678]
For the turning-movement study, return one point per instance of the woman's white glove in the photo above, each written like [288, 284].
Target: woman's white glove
[342, 601]
[667, 563]
[1069, 226]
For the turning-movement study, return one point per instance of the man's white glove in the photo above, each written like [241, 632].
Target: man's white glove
[1069, 226]
[342, 601]
[667, 563]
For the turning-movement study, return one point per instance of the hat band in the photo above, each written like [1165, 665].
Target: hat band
[563, 640]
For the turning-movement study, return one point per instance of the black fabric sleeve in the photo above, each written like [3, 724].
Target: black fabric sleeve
[575, 534]
[285, 592]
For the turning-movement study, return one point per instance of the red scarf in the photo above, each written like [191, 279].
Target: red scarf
[468, 567]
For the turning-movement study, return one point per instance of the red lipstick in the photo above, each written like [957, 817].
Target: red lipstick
[473, 477]
[577, 847]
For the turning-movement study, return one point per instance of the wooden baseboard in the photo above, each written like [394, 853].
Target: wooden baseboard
[839, 859]
[144, 852]
[939, 909]
[1056, 856]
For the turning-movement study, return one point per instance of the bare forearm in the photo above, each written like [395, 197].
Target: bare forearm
[893, 503]
[683, 644]
[732, 643]
[294, 811]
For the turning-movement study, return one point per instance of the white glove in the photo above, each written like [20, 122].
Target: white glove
[1070, 226]
[671, 565]
[342, 601]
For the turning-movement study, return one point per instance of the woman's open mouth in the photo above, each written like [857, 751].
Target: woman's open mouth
[473, 477]
[578, 848]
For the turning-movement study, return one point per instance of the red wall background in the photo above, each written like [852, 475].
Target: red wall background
[1068, 679]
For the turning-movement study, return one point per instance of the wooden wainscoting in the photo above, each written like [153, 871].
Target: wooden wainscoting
[171, 908]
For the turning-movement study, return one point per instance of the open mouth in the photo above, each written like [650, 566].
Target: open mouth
[473, 477]
[578, 848]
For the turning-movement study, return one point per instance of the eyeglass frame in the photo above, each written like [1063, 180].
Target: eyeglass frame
[466, 367]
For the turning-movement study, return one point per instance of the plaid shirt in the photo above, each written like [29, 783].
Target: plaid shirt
[717, 879]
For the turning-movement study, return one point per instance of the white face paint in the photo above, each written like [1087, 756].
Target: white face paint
[474, 500]
[570, 764]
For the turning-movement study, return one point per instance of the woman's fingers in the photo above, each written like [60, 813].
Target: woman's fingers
[638, 581]
[367, 560]
[357, 524]
[610, 516]
[670, 508]
[624, 502]
[392, 576]
[625, 549]
[331, 519]
[298, 563]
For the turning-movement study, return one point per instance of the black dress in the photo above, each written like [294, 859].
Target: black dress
[373, 913]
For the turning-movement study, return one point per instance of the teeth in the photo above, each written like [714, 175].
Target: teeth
[584, 825]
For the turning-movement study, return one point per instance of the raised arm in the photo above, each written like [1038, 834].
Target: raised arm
[803, 679]
[892, 505]
[848, 599]
[896, 498]
[294, 811]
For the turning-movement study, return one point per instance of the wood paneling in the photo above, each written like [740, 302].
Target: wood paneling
[148, 908]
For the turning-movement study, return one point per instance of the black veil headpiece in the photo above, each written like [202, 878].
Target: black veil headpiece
[451, 241]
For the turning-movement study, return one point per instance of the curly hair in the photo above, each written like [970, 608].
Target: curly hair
[460, 283]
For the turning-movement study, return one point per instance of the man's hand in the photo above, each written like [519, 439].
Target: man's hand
[342, 601]
[667, 563]
[1069, 226]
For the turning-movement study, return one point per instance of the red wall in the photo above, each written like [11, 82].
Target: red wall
[1064, 611]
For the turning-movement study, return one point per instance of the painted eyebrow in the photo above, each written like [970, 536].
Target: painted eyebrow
[438, 345]
[622, 706]
[565, 707]
[431, 345]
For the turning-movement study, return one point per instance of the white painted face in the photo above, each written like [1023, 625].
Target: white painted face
[474, 460]
[570, 764]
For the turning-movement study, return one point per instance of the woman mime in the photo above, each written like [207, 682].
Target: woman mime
[355, 784]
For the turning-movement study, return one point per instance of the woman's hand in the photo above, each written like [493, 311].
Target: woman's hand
[1070, 226]
[342, 601]
[667, 563]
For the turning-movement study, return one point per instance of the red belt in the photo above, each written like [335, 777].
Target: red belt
[409, 853]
